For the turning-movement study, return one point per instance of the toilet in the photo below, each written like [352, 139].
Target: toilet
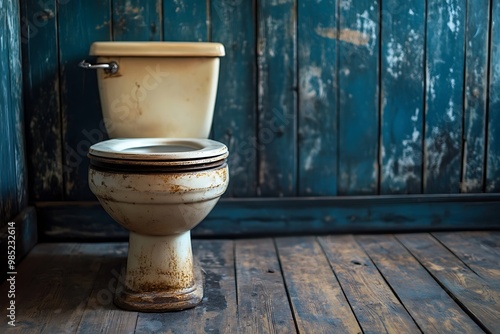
[158, 176]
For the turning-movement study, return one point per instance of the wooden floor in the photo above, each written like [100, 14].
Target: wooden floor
[406, 283]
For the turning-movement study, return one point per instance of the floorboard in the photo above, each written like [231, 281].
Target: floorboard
[433, 310]
[472, 292]
[317, 299]
[377, 308]
[262, 301]
[444, 282]
[476, 251]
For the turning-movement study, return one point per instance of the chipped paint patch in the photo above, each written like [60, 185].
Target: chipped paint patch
[395, 57]
[453, 17]
[311, 84]
[313, 154]
[449, 110]
[345, 35]
[367, 27]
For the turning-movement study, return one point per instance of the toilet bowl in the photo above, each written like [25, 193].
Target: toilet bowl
[159, 176]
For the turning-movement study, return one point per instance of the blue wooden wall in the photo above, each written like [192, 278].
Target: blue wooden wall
[13, 194]
[316, 98]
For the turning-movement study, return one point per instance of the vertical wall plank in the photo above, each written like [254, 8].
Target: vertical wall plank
[8, 190]
[185, 20]
[402, 96]
[493, 153]
[317, 114]
[277, 97]
[80, 24]
[233, 24]
[136, 20]
[41, 100]
[444, 98]
[18, 159]
[359, 97]
[476, 81]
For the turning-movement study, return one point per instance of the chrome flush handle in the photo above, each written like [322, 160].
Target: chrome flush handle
[111, 67]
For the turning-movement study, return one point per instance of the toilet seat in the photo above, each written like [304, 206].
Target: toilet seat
[158, 154]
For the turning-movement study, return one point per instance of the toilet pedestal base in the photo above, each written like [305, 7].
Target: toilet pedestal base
[161, 301]
[161, 275]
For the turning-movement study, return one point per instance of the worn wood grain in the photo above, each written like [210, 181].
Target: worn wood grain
[186, 20]
[8, 176]
[13, 189]
[376, 307]
[277, 98]
[358, 97]
[476, 88]
[402, 96]
[53, 301]
[262, 299]
[217, 312]
[476, 251]
[444, 99]
[493, 150]
[41, 100]
[317, 109]
[233, 24]
[317, 300]
[100, 314]
[82, 123]
[135, 20]
[433, 310]
[471, 291]
[18, 159]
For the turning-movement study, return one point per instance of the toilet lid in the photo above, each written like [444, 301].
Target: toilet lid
[158, 151]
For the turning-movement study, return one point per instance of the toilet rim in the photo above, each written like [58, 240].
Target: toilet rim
[159, 151]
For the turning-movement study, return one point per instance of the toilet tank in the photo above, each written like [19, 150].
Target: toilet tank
[161, 89]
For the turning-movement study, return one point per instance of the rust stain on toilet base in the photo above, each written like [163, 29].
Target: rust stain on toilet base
[162, 300]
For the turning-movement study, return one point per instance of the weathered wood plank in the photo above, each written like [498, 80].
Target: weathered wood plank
[41, 100]
[136, 20]
[16, 106]
[262, 299]
[318, 302]
[291, 216]
[233, 24]
[277, 98]
[8, 175]
[444, 95]
[476, 88]
[358, 97]
[186, 20]
[493, 152]
[474, 293]
[476, 252]
[317, 113]
[217, 312]
[433, 310]
[54, 299]
[80, 24]
[402, 96]
[376, 307]
[100, 314]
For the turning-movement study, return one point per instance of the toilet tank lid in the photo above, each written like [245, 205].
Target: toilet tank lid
[157, 49]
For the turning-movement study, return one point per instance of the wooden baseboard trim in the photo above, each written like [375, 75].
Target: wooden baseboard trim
[87, 221]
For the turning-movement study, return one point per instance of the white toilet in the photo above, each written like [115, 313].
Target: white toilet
[160, 176]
